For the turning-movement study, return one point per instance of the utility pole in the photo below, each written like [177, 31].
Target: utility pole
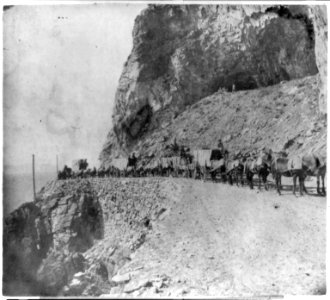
[34, 180]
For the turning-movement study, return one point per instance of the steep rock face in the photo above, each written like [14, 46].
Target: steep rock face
[281, 117]
[42, 240]
[319, 16]
[184, 53]
[21, 255]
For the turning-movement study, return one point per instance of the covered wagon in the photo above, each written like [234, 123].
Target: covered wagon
[208, 162]
[120, 166]
[174, 165]
[79, 165]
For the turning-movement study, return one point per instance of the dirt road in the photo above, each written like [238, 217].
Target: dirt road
[221, 240]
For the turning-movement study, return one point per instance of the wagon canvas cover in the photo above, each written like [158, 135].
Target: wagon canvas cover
[202, 157]
[120, 163]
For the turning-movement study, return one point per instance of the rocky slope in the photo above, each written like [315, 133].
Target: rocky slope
[73, 240]
[182, 54]
[281, 117]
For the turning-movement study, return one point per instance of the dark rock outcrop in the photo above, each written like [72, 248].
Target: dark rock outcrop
[184, 53]
[57, 269]
[52, 247]
[42, 240]
[22, 253]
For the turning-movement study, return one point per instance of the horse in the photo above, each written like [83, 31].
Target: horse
[283, 166]
[152, 168]
[235, 171]
[81, 174]
[101, 172]
[183, 166]
[166, 167]
[65, 174]
[190, 168]
[300, 167]
[186, 165]
[61, 175]
[218, 160]
[218, 167]
[93, 172]
[115, 172]
[88, 173]
[315, 165]
[131, 167]
[260, 166]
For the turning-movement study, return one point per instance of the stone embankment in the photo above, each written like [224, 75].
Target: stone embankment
[77, 235]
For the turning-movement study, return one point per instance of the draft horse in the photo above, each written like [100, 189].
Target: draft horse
[260, 166]
[315, 165]
[235, 171]
[280, 167]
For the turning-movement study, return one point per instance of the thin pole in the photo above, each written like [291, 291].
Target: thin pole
[33, 178]
[56, 165]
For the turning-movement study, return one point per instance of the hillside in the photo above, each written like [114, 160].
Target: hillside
[281, 117]
[183, 56]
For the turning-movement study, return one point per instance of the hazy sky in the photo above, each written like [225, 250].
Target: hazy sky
[61, 69]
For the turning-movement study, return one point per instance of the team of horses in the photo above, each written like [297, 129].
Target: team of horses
[279, 165]
[217, 165]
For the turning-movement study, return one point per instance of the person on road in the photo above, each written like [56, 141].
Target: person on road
[223, 150]
[220, 145]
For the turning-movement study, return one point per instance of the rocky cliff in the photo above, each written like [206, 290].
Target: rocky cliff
[73, 240]
[182, 54]
[42, 240]
[319, 16]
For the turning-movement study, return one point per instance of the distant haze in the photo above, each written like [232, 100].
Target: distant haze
[61, 68]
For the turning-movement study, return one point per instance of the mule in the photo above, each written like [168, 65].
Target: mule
[66, 173]
[280, 167]
[166, 167]
[218, 167]
[235, 171]
[260, 166]
[315, 165]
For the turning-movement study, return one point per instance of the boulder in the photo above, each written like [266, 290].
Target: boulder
[121, 278]
[136, 285]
